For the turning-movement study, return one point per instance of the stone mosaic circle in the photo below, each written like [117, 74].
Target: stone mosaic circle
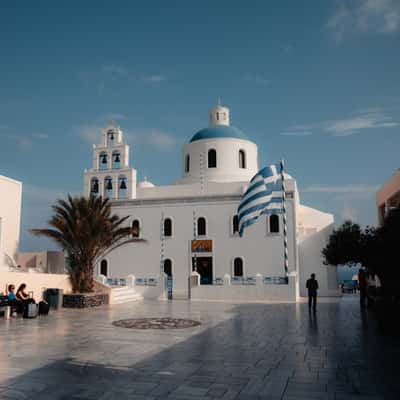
[156, 323]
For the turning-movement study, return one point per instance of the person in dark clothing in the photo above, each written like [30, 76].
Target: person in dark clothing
[362, 286]
[312, 286]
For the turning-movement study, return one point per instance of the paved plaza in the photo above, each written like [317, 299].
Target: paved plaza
[244, 351]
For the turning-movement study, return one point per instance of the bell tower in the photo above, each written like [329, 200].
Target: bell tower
[110, 175]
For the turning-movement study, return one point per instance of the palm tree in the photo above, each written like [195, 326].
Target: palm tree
[86, 230]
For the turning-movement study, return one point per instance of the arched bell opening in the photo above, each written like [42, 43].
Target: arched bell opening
[108, 187]
[103, 161]
[116, 160]
[111, 137]
[122, 187]
[94, 187]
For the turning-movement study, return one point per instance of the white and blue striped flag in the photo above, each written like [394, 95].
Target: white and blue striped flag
[263, 196]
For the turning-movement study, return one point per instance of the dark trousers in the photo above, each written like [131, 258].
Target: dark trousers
[312, 301]
[363, 296]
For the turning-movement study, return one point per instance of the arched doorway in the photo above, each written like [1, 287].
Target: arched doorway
[104, 267]
[168, 271]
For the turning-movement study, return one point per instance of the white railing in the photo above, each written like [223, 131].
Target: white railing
[146, 281]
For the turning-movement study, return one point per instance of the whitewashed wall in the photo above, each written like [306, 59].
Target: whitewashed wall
[261, 251]
[10, 215]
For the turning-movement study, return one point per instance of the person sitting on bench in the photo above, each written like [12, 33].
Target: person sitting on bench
[16, 305]
[23, 296]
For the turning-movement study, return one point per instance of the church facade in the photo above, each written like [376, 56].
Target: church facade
[191, 226]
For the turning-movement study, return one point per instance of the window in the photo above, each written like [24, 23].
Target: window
[116, 160]
[242, 159]
[217, 116]
[201, 226]
[135, 228]
[274, 224]
[168, 267]
[103, 161]
[235, 224]
[168, 227]
[187, 163]
[212, 158]
[103, 267]
[94, 187]
[237, 267]
[122, 187]
[108, 187]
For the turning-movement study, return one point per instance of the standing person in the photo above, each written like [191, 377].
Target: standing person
[362, 286]
[312, 286]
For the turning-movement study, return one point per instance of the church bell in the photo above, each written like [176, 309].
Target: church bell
[104, 159]
[109, 185]
[123, 185]
[117, 158]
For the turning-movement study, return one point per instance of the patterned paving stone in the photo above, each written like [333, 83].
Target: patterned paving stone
[247, 351]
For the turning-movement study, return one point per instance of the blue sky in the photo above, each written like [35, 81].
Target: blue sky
[314, 82]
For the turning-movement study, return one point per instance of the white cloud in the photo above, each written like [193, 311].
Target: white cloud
[24, 142]
[154, 137]
[154, 78]
[382, 16]
[90, 133]
[344, 192]
[298, 130]
[38, 195]
[341, 189]
[369, 119]
[296, 133]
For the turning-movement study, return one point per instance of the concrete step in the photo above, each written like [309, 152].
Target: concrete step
[124, 295]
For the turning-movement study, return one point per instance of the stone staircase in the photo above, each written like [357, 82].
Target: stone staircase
[124, 294]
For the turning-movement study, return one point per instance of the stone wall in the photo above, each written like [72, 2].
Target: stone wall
[85, 300]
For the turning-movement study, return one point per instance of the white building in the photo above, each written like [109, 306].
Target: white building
[192, 225]
[10, 216]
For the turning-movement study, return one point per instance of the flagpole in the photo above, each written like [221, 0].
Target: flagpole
[285, 240]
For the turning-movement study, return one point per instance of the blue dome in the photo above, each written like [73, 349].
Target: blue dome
[219, 131]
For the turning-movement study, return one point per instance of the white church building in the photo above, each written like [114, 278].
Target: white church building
[190, 228]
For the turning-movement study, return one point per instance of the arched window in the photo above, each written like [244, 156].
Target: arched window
[110, 137]
[168, 267]
[94, 187]
[235, 224]
[242, 159]
[116, 160]
[135, 228]
[187, 163]
[103, 161]
[201, 226]
[212, 158]
[108, 187]
[103, 267]
[122, 187]
[274, 223]
[237, 267]
[168, 227]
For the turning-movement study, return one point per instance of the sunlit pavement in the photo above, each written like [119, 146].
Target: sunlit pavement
[245, 351]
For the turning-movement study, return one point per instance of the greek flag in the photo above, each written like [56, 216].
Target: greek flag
[263, 196]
